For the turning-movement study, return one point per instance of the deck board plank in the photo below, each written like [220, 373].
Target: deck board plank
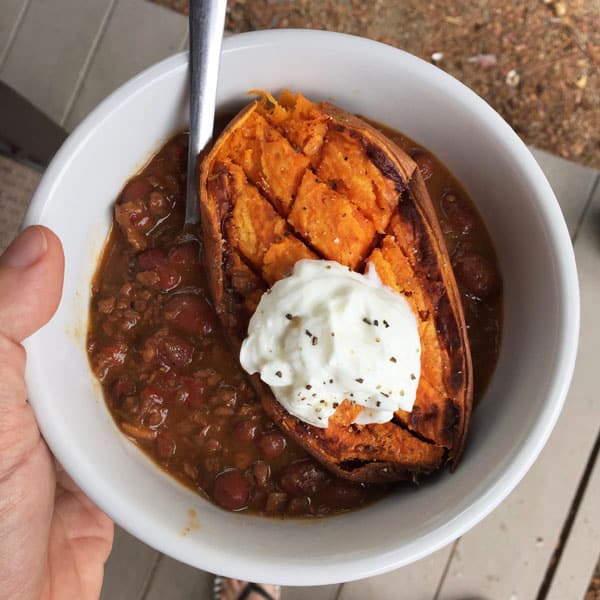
[128, 569]
[581, 552]
[50, 50]
[571, 183]
[418, 581]
[582, 546]
[13, 12]
[138, 35]
[177, 581]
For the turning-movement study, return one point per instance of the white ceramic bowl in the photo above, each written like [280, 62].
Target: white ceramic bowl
[540, 331]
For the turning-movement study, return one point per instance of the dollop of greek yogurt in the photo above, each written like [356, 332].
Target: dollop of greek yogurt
[326, 334]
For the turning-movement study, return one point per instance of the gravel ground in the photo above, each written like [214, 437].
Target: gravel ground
[537, 62]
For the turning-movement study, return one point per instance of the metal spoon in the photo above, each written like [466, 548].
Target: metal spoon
[207, 20]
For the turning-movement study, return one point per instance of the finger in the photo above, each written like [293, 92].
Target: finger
[31, 272]
[31, 277]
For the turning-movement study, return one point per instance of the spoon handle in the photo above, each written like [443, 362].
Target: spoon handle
[207, 20]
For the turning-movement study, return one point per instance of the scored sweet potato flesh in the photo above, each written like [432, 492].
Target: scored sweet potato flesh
[291, 179]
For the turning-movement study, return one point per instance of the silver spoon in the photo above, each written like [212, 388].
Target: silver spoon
[207, 20]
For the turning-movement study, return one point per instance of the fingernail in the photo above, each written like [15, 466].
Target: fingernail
[26, 249]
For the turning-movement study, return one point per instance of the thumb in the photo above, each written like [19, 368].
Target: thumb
[31, 277]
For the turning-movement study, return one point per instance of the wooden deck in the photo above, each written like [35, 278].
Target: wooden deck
[543, 542]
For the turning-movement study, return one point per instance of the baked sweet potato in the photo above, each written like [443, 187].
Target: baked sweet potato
[291, 179]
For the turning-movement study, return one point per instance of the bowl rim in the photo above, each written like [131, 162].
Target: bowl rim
[563, 357]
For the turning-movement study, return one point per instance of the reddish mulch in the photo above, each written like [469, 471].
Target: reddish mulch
[536, 62]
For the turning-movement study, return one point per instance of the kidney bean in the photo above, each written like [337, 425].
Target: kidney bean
[299, 506]
[135, 189]
[150, 260]
[197, 390]
[187, 254]
[244, 431]
[190, 314]
[342, 494]
[425, 164]
[272, 444]
[303, 478]
[458, 213]
[231, 490]
[170, 349]
[177, 351]
[169, 278]
[276, 502]
[477, 274]
[166, 277]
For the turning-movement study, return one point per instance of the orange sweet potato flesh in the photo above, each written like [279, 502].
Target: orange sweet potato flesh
[293, 179]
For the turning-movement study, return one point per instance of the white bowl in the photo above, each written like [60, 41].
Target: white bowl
[540, 329]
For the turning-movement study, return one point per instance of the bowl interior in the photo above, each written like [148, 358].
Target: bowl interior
[540, 329]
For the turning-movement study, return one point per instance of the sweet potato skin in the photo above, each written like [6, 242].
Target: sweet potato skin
[413, 262]
[394, 227]
[374, 453]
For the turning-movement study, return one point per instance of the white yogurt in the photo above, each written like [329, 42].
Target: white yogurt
[325, 334]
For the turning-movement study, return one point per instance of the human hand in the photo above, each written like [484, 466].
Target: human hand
[54, 540]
